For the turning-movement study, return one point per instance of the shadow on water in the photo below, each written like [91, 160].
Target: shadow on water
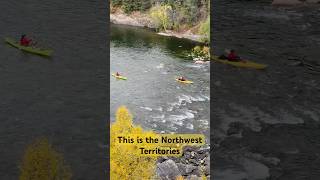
[130, 36]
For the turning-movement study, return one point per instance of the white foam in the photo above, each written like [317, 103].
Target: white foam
[189, 126]
[203, 122]
[159, 109]
[197, 99]
[179, 119]
[146, 108]
[189, 114]
[198, 66]
[253, 116]
[160, 66]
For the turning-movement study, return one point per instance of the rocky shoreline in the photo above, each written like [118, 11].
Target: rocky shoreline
[194, 164]
[142, 20]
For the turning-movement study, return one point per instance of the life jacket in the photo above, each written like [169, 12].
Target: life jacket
[232, 56]
[25, 41]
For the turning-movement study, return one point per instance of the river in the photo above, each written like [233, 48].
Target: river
[266, 123]
[157, 101]
[62, 98]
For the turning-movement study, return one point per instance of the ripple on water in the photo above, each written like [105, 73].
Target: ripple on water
[252, 117]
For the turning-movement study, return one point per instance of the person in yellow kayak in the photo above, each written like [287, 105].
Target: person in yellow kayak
[181, 78]
[118, 74]
[24, 41]
[232, 56]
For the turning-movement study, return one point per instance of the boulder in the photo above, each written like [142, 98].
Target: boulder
[168, 170]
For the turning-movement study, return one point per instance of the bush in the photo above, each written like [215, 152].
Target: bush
[201, 53]
[125, 163]
[42, 162]
[132, 5]
[169, 14]
[205, 30]
[161, 15]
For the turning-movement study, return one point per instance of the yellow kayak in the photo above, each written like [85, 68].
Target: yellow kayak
[119, 77]
[29, 49]
[242, 64]
[186, 81]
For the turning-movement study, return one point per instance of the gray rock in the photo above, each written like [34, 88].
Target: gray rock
[207, 160]
[202, 156]
[162, 159]
[190, 148]
[187, 155]
[168, 170]
[207, 170]
[195, 162]
[193, 154]
[186, 169]
[194, 177]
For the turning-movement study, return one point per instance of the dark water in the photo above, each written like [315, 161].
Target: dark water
[62, 98]
[266, 123]
[151, 62]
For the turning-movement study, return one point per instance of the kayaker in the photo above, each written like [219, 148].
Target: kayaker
[232, 56]
[24, 41]
[181, 78]
[118, 74]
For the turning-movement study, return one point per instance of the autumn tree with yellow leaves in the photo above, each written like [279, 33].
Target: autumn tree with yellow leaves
[125, 163]
[42, 162]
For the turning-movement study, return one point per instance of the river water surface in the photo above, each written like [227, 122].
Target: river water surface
[266, 123]
[62, 98]
[151, 62]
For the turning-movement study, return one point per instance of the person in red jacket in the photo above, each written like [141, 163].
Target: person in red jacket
[24, 41]
[232, 56]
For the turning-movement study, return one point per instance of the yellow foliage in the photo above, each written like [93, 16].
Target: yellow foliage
[42, 162]
[201, 52]
[203, 177]
[125, 163]
[179, 178]
[161, 15]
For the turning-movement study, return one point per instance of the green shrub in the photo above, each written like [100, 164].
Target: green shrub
[205, 30]
[161, 15]
[202, 53]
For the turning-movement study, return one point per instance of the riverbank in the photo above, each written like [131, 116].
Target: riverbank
[139, 19]
[193, 164]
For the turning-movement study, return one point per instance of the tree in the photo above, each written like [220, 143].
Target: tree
[42, 162]
[205, 30]
[125, 163]
[161, 15]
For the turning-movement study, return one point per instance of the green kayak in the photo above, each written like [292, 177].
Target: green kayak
[34, 50]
